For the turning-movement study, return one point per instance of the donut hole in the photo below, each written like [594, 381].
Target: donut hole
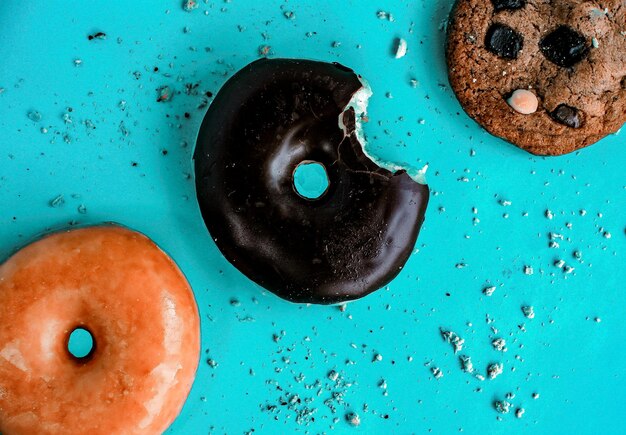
[80, 344]
[310, 180]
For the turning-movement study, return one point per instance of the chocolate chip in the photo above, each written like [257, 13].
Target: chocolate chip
[567, 115]
[504, 41]
[511, 5]
[564, 47]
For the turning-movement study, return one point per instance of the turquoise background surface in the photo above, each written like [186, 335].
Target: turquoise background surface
[125, 157]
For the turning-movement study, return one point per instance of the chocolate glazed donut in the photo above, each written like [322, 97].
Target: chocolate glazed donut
[266, 120]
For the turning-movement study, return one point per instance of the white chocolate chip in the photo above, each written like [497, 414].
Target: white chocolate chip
[523, 101]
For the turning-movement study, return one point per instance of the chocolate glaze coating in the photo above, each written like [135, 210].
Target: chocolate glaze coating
[268, 118]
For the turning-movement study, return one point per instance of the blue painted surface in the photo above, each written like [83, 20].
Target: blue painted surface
[114, 167]
[310, 180]
[80, 343]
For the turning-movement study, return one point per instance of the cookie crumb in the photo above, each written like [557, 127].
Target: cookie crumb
[452, 338]
[529, 311]
[499, 344]
[383, 15]
[97, 35]
[437, 373]
[164, 94]
[34, 116]
[57, 202]
[190, 5]
[353, 419]
[494, 370]
[559, 263]
[401, 48]
[265, 50]
[466, 364]
[502, 406]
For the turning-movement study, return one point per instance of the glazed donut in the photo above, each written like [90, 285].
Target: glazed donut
[141, 313]
[266, 120]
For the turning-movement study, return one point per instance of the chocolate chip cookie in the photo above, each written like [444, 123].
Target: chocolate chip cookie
[547, 75]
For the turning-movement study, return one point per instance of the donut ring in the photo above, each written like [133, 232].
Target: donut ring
[267, 119]
[131, 297]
